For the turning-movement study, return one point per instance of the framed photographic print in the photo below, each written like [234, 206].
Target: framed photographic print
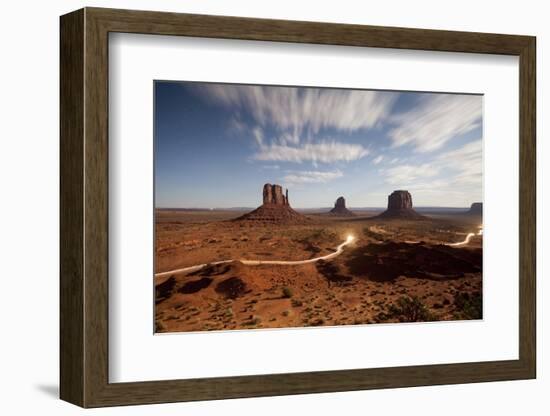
[256, 207]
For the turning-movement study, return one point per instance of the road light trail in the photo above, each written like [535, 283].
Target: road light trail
[464, 242]
[350, 239]
[467, 239]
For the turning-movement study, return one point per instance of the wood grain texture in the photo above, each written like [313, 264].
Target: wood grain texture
[71, 100]
[527, 208]
[162, 23]
[96, 220]
[84, 207]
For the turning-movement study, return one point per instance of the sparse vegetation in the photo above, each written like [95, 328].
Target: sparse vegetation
[322, 234]
[255, 320]
[371, 234]
[381, 277]
[409, 309]
[317, 322]
[287, 292]
[159, 327]
[296, 303]
[468, 306]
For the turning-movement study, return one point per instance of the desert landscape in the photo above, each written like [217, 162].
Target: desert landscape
[220, 270]
[292, 207]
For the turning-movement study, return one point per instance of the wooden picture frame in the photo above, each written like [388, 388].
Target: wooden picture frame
[84, 207]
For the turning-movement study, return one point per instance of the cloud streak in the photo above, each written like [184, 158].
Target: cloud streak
[378, 159]
[302, 177]
[298, 110]
[436, 120]
[467, 162]
[407, 174]
[309, 125]
[324, 152]
[454, 174]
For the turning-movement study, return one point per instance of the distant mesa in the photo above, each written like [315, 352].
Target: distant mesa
[340, 208]
[400, 206]
[275, 209]
[476, 209]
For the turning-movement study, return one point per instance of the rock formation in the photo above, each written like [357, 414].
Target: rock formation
[476, 209]
[273, 194]
[400, 206]
[340, 208]
[400, 200]
[275, 208]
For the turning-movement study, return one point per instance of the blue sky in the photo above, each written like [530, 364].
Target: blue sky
[217, 144]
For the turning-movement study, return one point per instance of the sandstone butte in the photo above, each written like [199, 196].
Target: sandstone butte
[400, 206]
[340, 208]
[476, 209]
[275, 208]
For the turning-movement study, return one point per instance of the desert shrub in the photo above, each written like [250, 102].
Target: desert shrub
[159, 327]
[371, 234]
[296, 303]
[322, 234]
[232, 288]
[468, 305]
[409, 309]
[255, 320]
[381, 317]
[333, 273]
[317, 322]
[287, 292]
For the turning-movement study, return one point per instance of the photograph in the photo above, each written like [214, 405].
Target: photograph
[281, 206]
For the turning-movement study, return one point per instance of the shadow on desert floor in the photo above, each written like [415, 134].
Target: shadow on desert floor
[387, 261]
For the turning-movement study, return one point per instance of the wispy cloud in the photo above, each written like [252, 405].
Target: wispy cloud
[301, 177]
[271, 167]
[466, 162]
[324, 152]
[296, 110]
[436, 120]
[378, 159]
[319, 126]
[405, 175]
[237, 126]
[258, 134]
[453, 175]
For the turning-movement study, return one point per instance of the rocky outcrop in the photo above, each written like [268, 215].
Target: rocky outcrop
[164, 290]
[340, 208]
[400, 206]
[275, 208]
[400, 200]
[476, 209]
[273, 195]
[340, 203]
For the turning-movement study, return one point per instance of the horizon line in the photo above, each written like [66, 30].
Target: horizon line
[318, 207]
